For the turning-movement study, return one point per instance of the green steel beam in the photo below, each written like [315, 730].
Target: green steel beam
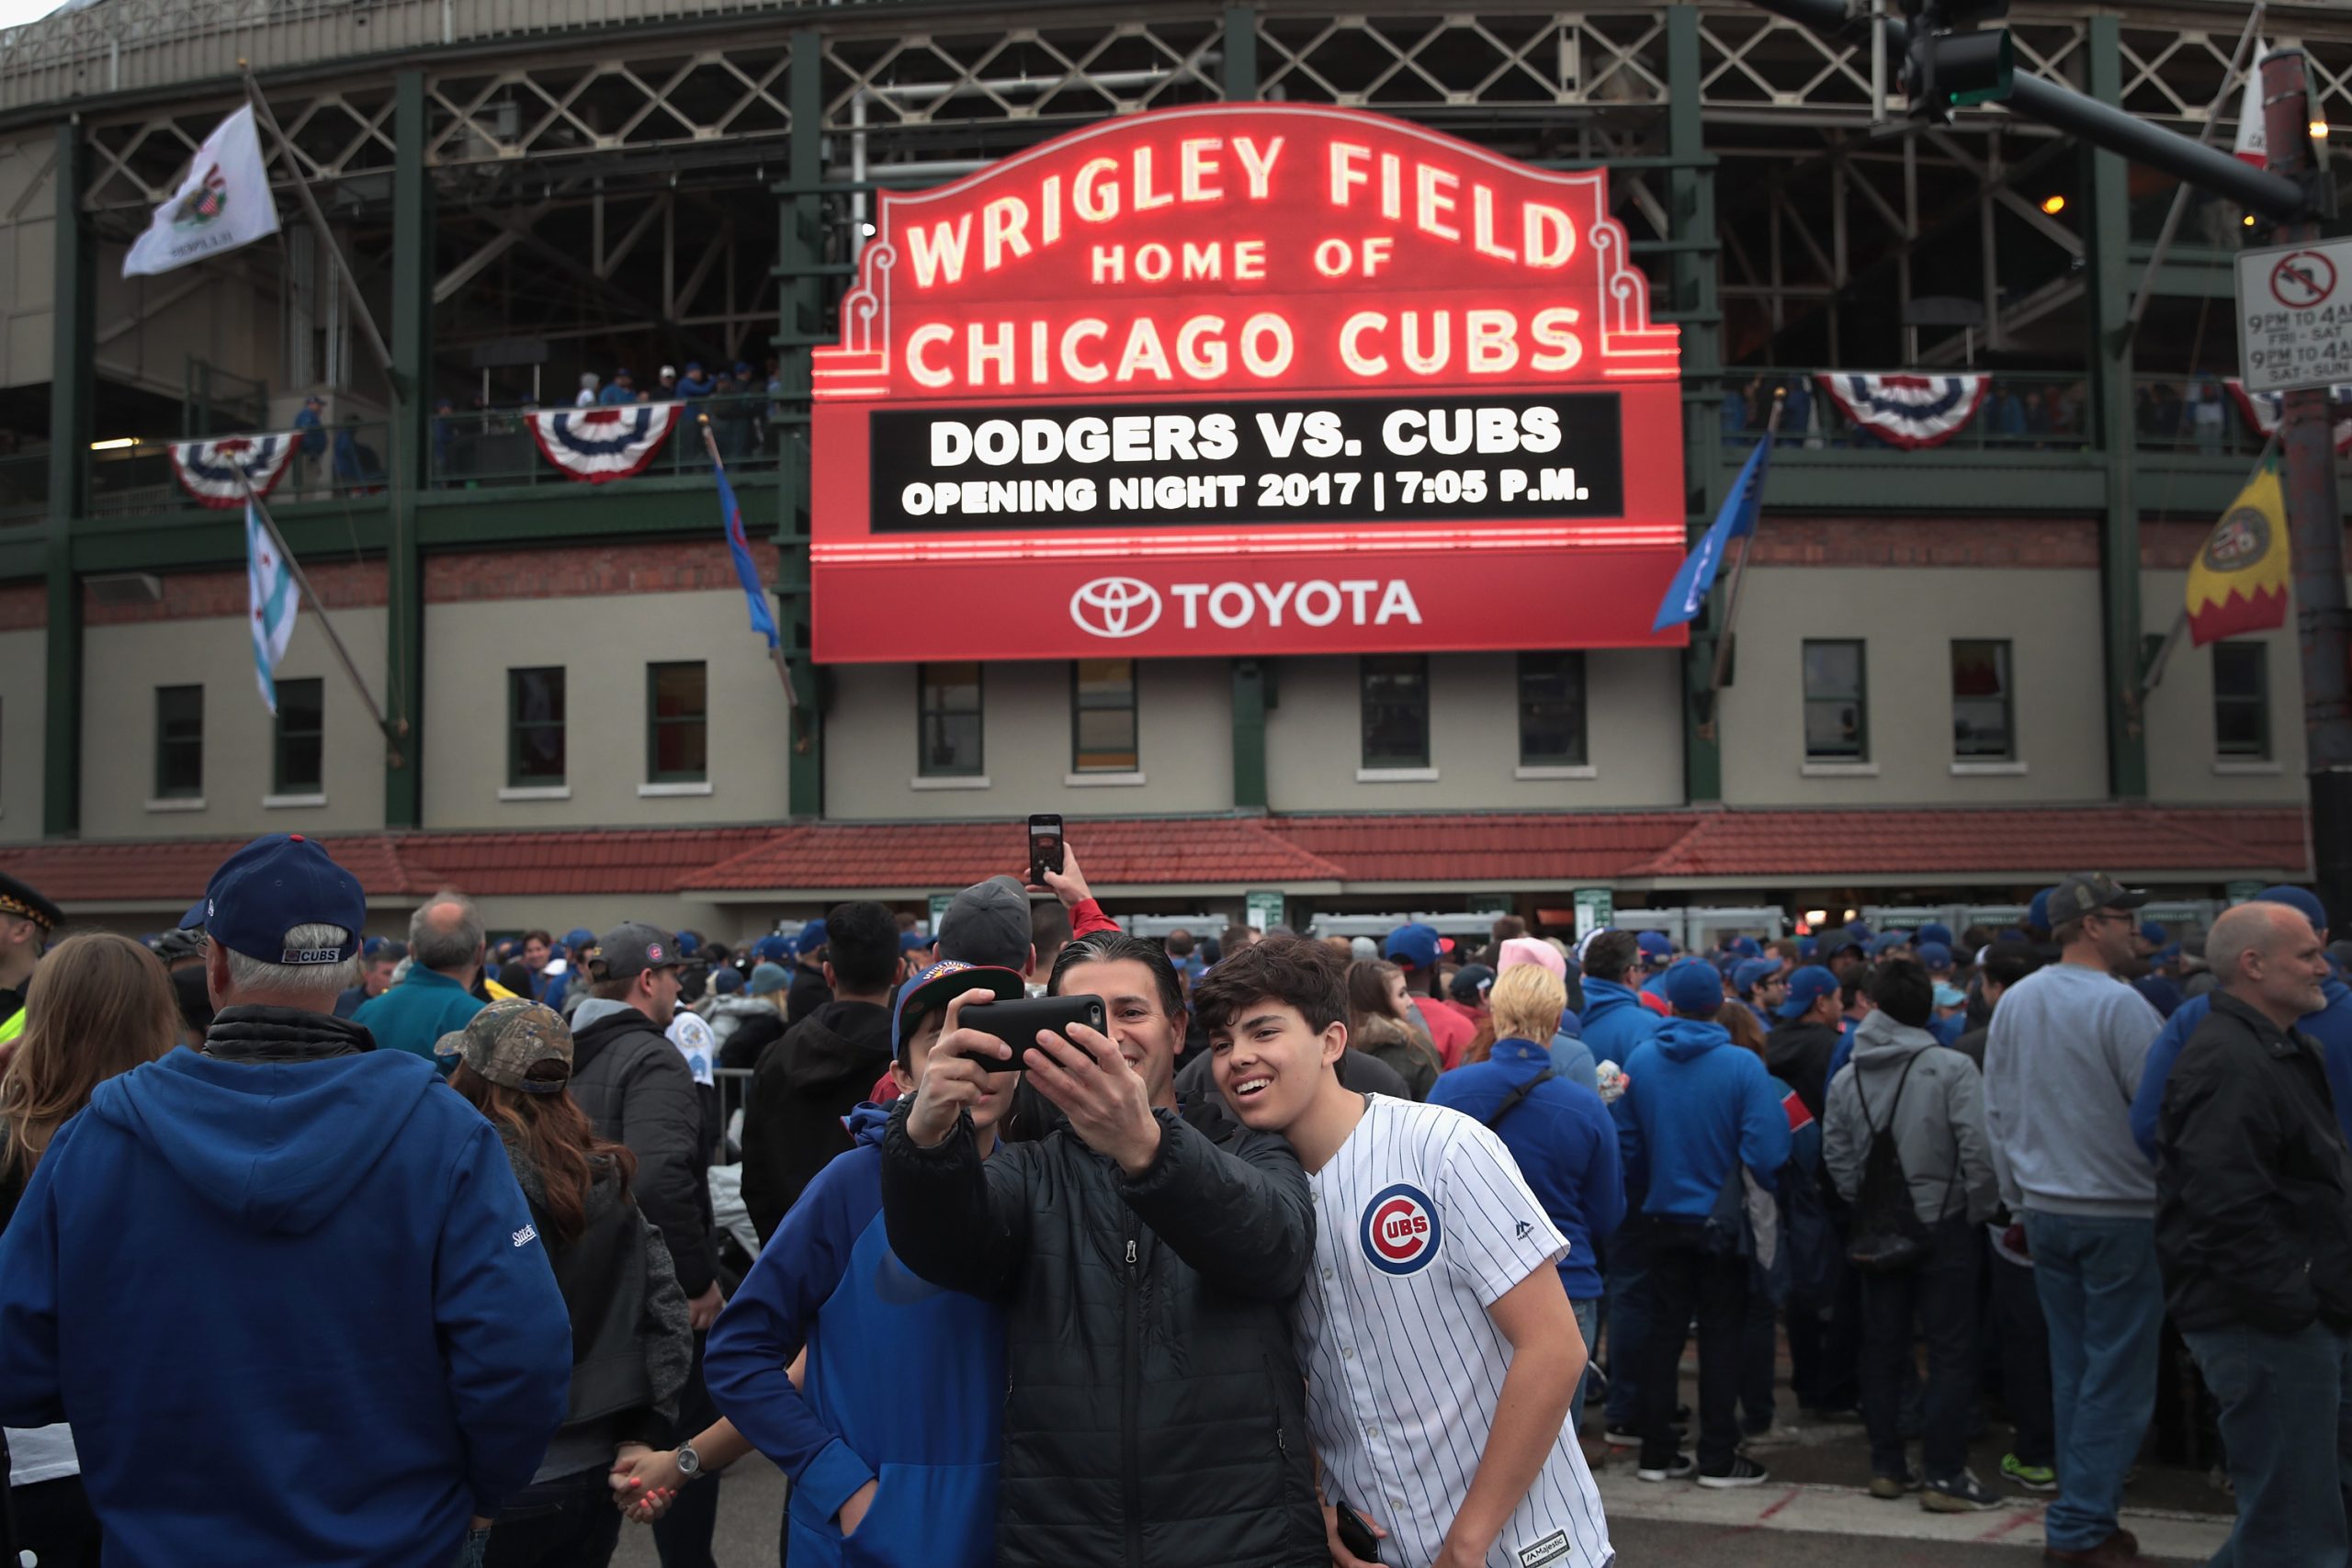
[1249, 681]
[1690, 197]
[801, 305]
[412, 346]
[1240, 53]
[72, 414]
[2107, 283]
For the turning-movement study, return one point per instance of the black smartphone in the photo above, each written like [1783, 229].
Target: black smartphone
[1017, 1023]
[1045, 846]
[1356, 1535]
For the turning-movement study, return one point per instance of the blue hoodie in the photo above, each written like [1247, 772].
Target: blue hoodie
[1615, 1021]
[297, 1310]
[2331, 1027]
[905, 1382]
[1697, 1105]
[1561, 1136]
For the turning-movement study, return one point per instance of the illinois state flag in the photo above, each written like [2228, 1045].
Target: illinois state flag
[223, 203]
[2238, 582]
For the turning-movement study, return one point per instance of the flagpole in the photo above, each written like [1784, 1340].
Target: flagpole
[318, 606]
[1739, 567]
[319, 221]
[2156, 673]
[776, 649]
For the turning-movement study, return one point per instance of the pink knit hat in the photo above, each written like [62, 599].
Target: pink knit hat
[1522, 950]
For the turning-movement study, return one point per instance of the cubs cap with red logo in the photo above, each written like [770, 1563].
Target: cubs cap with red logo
[942, 983]
[630, 949]
[273, 885]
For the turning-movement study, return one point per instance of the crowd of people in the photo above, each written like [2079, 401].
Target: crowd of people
[1316, 1249]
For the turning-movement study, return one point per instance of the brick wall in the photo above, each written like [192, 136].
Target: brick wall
[24, 606]
[666, 566]
[1782, 540]
[192, 595]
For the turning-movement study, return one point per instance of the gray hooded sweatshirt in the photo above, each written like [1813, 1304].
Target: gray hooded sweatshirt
[1939, 1123]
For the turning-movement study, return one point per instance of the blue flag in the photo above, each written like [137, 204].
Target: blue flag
[755, 593]
[1686, 594]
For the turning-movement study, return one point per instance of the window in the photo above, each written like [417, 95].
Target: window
[179, 742]
[299, 764]
[1837, 712]
[535, 728]
[2242, 701]
[1396, 711]
[1551, 710]
[949, 713]
[677, 714]
[1982, 730]
[1102, 716]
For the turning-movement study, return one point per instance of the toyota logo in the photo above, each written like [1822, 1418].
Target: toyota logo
[1115, 607]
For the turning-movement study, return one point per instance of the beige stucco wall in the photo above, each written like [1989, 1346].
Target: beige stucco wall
[2181, 763]
[28, 256]
[1184, 733]
[122, 665]
[603, 644]
[1314, 740]
[24, 707]
[1908, 620]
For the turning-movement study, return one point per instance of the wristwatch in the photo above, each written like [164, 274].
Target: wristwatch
[689, 1462]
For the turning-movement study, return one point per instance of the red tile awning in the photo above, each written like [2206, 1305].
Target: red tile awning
[1437, 852]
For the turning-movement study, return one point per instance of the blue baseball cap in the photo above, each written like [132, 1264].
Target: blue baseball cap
[1807, 946]
[1806, 986]
[1932, 931]
[727, 981]
[2302, 900]
[1694, 987]
[1937, 956]
[688, 944]
[771, 946]
[277, 882]
[1414, 946]
[942, 983]
[1886, 942]
[1750, 971]
[910, 941]
[579, 936]
[811, 938]
[1949, 995]
[1655, 946]
[2037, 914]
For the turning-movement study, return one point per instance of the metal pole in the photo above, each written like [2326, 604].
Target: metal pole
[2315, 527]
[1739, 567]
[318, 608]
[776, 649]
[2179, 207]
[326, 235]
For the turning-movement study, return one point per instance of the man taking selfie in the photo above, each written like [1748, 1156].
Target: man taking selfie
[1155, 1412]
[1440, 1349]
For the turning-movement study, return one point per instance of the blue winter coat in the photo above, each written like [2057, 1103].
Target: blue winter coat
[297, 1312]
[1564, 1142]
[905, 1383]
[1697, 1105]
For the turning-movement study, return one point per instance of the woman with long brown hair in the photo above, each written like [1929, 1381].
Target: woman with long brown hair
[1378, 1024]
[98, 1005]
[631, 1342]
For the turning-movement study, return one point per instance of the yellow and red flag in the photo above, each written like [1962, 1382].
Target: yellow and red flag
[2239, 582]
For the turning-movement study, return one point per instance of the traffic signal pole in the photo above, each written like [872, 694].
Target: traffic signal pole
[2315, 528]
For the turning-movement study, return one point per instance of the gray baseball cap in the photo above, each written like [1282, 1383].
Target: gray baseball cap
[631, 948]
[988, 925]
[2088, 893]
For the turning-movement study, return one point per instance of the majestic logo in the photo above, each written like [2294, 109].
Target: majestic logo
[526, 1236]
[1115, 607]
[201, 206]
[1521, 1233]
[1400, 1233]
[2243, 538]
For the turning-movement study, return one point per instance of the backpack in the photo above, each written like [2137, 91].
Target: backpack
[1886, 1237]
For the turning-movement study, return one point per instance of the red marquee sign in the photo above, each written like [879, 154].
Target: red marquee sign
[1247, 380]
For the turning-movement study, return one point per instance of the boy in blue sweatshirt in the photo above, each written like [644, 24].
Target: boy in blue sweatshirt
[890, 1438]
[1698, 1110]
[1615, 1020]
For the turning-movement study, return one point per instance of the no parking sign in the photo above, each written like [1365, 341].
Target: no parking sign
[2295, 315]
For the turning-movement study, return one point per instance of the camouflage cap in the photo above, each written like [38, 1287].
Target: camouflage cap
[507, 1039]
[2091, 892]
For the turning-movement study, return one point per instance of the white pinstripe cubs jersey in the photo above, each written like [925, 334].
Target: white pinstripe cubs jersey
[1422, 1220]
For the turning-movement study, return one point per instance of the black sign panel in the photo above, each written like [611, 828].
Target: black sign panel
[1361, 461]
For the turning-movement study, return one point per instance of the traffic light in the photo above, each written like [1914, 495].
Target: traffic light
[1946, 67]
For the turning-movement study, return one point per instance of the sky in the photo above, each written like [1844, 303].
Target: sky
[14, 11]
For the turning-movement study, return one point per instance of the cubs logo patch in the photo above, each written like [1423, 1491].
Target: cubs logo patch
[1399, 1233]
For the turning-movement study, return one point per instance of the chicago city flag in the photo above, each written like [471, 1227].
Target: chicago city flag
[223, 203]
[2238, 581]
[270, 586]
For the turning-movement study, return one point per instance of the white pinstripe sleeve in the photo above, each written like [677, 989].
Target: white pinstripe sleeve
[1497, 1233]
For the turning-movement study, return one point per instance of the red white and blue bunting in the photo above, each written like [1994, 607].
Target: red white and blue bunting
[1906, 410]
[2263, 410]
[211, 470]
[600, 443]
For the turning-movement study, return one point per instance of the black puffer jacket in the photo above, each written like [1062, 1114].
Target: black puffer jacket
[639, 1090]
[2253, 1183]
[1157, 1414]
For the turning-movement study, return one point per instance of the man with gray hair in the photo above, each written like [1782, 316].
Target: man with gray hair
[2254, 1228]
[436, 996]
[287, 1287]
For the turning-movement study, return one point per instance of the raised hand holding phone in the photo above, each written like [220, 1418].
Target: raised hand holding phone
[954, 1076]
[1085, 1074]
